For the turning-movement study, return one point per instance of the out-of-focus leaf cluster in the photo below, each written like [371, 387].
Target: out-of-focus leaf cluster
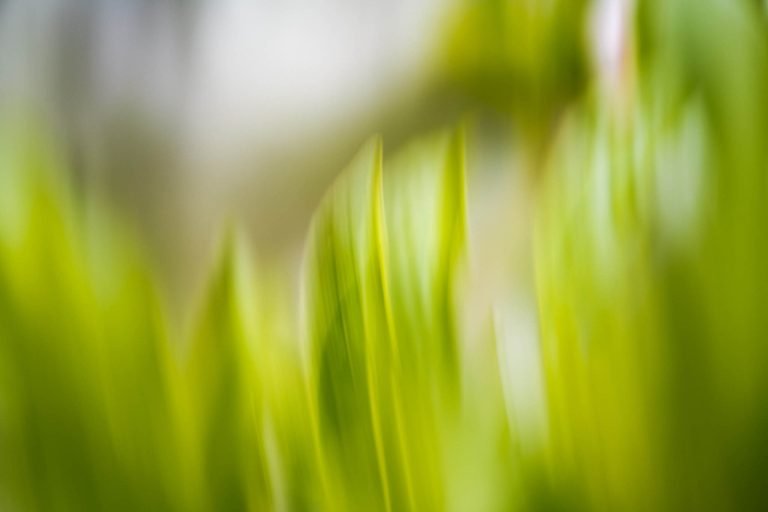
[650, 254]
[103, 409]
[524, 58]
[650, 245]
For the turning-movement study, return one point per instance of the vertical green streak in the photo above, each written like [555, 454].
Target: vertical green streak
[382, 348]
[89, 421]
[224, 385]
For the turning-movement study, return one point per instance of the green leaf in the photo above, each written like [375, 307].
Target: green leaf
[225, 389]
[87, 419]
[381, 345]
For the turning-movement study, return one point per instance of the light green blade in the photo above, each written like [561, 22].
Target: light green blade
[381, 345]
[86, 395]
[224, 389]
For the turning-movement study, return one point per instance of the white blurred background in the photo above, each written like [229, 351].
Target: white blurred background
[187, 113]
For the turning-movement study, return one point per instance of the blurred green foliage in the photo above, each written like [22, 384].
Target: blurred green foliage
[650, 243]
[101, 412]
[527, 59]
[651, 250]
[382, 353]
